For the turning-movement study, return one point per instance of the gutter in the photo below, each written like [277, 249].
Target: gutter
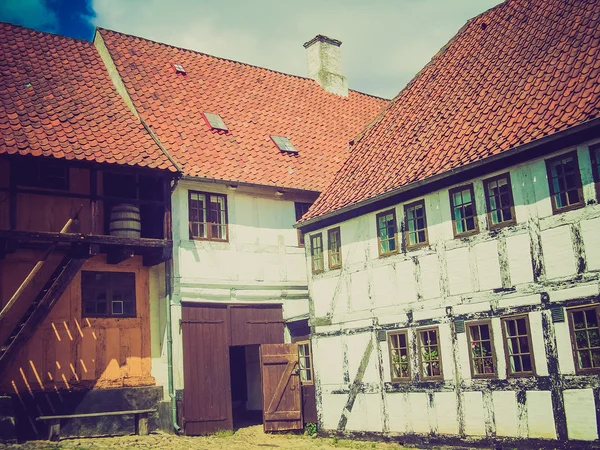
[447, 175]
[283, 189]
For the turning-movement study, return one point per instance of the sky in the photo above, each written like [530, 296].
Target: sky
[384, 42]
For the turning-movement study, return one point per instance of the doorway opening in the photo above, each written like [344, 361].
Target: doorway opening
[246, 389]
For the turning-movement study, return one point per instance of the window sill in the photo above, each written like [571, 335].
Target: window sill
[466, 234]
[385, 255]
[501, 225]
[573, 207]
[410, 248]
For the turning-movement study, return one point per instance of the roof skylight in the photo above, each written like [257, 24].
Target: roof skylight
[284, 144]
[215, 121]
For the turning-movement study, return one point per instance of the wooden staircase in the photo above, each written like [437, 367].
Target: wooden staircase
[42, 303]
[39, 308]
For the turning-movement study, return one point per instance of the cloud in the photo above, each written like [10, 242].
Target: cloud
[29, 13]
[385, 42]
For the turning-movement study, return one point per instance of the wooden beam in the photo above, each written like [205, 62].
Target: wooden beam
[116, 255]
[7, 246]
[154, 257]
[84, 250]
[42, 236]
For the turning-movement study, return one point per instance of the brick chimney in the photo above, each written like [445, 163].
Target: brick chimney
[325, 64]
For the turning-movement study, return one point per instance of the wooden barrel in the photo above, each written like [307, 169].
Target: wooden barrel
[125, 221]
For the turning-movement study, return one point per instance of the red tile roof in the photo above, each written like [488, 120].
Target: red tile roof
[521, 71]
[56, 99]
[255, 104]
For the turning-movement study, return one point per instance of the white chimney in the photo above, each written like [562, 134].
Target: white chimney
[325, 64]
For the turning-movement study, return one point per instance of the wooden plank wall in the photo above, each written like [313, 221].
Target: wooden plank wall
[68, 352]
[50, 213]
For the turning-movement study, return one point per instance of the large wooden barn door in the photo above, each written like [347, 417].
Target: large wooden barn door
[206, 394]
[282, 403]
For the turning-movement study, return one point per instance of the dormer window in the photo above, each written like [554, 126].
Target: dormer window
[215, 122]
[284, 144]
[179, 69]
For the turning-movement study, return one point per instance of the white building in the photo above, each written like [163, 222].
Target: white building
[454, 259]
[255, 147]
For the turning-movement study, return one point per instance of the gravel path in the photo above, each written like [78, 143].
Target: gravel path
[250, 438]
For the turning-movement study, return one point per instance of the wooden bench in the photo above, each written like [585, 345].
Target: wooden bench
[141, 420]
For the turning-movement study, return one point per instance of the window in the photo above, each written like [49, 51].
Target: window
[481, 346]
[304, 362]
[464, 216]
[499, 200]
[585, 335]
[215, 121]
[517, 343]
[108, 294]
[301, 209]
[334, 244]
[595, 157]
[284, 144]
[399, 355]
[208, 216]
[386, 233]
[42, 173]
[429, 354]
[565, 182]
[316, 252]
[415, 234]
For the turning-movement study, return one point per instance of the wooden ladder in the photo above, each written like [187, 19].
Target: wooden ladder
[43, 302]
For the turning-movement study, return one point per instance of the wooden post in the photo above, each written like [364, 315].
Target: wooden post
[141, 424]
[54, 430]
[96, 226]
[12, 195]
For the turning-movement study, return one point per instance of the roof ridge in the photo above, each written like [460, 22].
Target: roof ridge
[228, 60]
[47, 33]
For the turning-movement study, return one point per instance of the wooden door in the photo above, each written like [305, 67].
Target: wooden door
[282, 403]
[256, 324]
[206, 394]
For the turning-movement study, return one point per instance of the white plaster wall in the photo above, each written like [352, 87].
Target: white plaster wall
[261, 262]
[519, 259]
[505, 413]
[474, 414]
[580, 410]
[590, 230]
[540, 416]
[446, 412]
[366, 413]
[473, 275]
[558, 252]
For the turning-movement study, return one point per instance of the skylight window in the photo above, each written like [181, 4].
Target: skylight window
[284, 144]
[215, 121]
[179, 68]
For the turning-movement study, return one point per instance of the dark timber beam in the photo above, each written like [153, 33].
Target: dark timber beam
[156, 256]
[117, 255]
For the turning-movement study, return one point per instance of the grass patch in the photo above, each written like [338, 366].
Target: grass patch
[224, 433]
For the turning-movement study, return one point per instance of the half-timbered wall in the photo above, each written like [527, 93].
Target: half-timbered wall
[539, 267]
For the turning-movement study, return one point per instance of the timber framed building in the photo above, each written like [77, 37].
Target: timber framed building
[454, 259]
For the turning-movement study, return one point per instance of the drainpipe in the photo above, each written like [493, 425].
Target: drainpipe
[176, 426]
[168, 289]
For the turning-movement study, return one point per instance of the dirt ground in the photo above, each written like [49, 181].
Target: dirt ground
[246, 438]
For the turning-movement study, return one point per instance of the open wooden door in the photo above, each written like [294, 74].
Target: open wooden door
[282, 402]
